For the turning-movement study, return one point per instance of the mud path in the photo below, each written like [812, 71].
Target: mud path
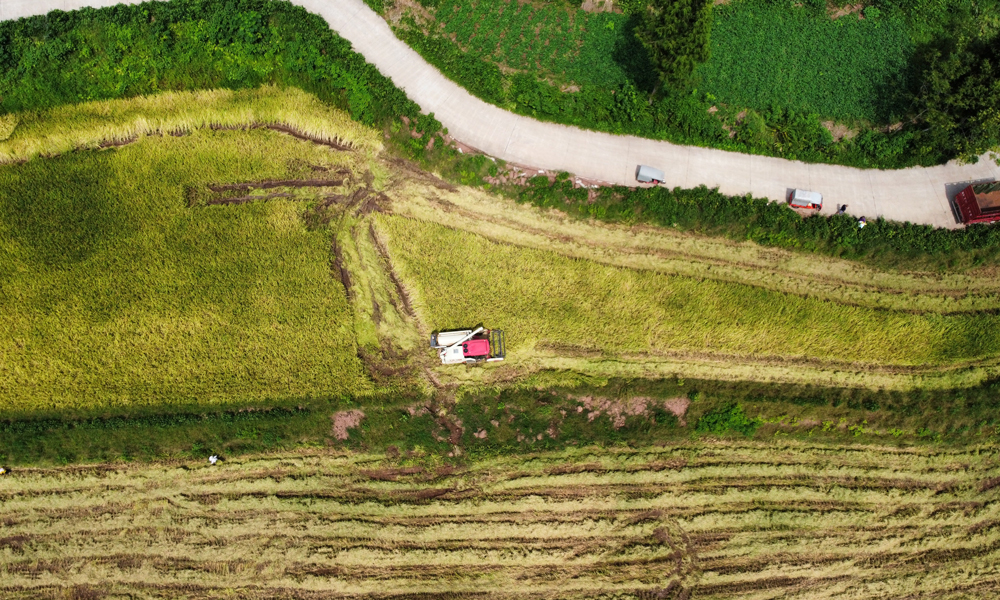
[289, 183]
[391, 271]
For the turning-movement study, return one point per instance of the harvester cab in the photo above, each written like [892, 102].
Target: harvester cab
[469, 346]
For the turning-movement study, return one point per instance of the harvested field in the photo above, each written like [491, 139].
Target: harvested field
[722, 520]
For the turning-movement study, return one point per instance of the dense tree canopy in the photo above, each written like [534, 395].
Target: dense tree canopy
[675, 33]
[959, 100]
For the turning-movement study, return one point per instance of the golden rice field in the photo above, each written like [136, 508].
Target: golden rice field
[541, 297]
[118, 292]
[712, 520]
[91, 125]
[668, 251]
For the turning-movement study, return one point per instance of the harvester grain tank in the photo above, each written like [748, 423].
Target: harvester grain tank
[469, 346]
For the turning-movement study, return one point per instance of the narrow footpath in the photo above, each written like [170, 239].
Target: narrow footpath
[919, 195]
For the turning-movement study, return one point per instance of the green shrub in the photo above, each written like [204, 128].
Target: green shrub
[727, 419]
[631, 7]
[960, 99]
[124, 51]
[675, 33]
[754, 132]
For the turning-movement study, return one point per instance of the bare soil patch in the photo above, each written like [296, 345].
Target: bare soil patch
[839, 131]
[989, 484]
[517, 174]
[117, 143]
[344, 420]
[336, 144]
[619, 409]
[836, 12]
[338, 270]
[599, 6]
[287, 183]
[245, 199]
[678, 406]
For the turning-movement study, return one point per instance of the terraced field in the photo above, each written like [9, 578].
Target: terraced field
[187, 252]
[711, 520]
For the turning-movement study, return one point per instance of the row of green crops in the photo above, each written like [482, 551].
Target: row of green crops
[574, 46]
[848, 68]
[552, 62]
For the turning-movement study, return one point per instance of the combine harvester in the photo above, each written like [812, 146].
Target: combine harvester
[469, 346]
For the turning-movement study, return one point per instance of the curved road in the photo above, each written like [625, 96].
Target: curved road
[918, 195]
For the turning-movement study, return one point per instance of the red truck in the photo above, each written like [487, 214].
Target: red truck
[979, 203]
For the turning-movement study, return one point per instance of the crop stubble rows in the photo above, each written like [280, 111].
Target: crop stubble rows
[713, 520]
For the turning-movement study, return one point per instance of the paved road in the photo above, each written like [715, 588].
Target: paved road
[919, 195]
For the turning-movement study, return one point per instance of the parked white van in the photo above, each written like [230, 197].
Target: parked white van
[804, 199]
[644, 174]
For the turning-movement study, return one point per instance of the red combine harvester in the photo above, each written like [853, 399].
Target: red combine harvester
[469, 346]
[979, 203]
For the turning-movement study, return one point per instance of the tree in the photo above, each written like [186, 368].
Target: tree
[675, 33]
[959, 100]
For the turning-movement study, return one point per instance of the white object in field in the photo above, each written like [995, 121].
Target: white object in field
[213, 459]
[453, 355]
